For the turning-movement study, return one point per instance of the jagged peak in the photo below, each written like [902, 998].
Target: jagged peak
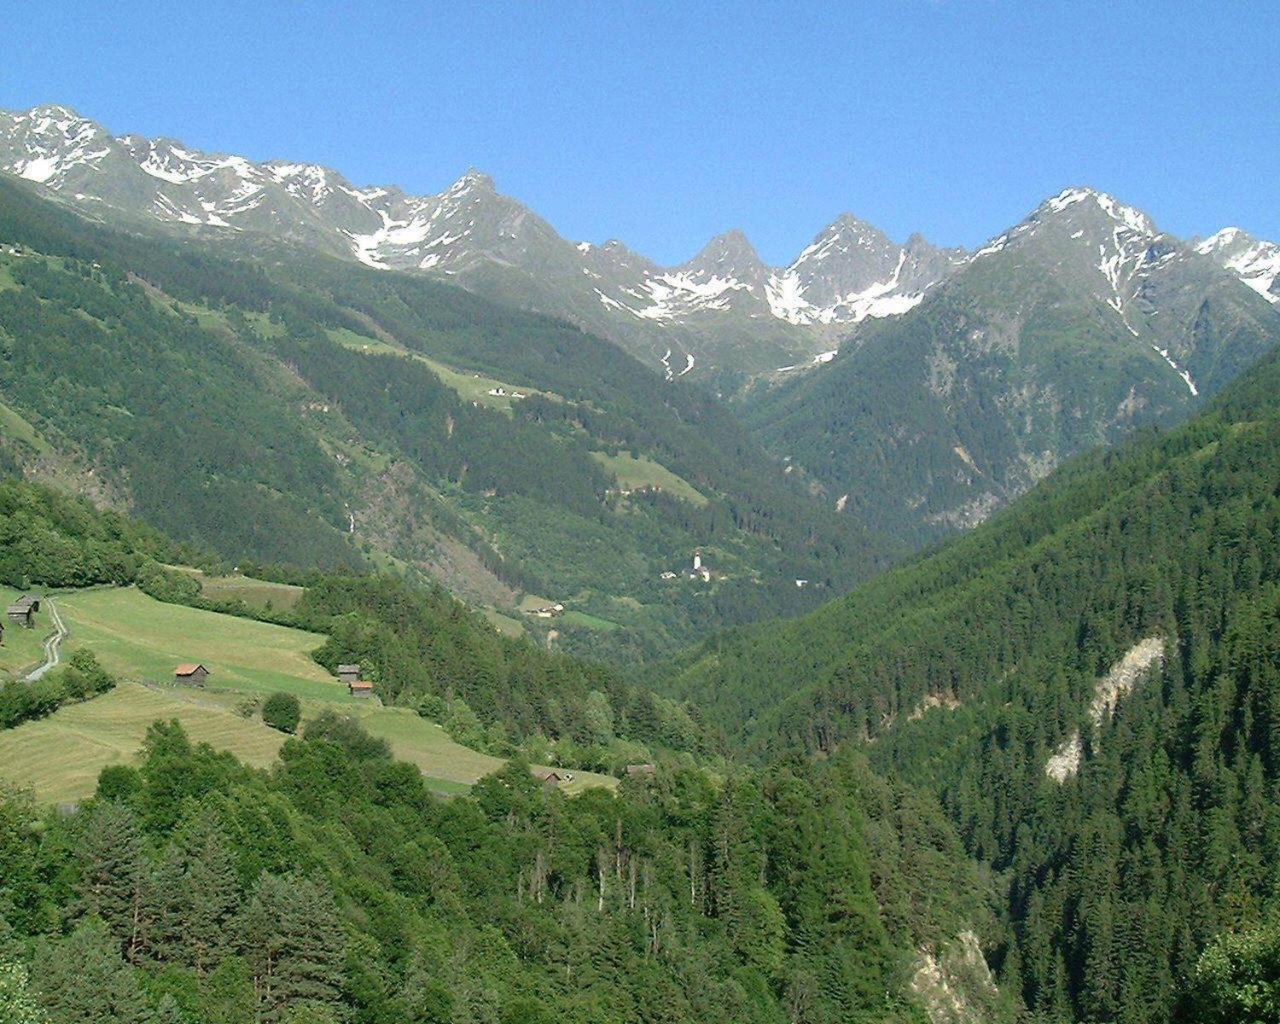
[1130, 216]
[471, 181]
[1225, 238]
[729, 246]
[55, 110]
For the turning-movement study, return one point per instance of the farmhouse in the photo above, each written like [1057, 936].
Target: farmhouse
[20, 614]
[348, 673]
[360, 688]
[191, 674]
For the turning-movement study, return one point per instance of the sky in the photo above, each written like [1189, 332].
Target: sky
[664, 124]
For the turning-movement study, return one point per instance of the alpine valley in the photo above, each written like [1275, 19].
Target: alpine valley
[416, 617]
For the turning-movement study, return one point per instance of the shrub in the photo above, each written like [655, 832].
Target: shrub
[282, 711]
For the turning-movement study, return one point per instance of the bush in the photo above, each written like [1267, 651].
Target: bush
[80, 678]
[282, 711]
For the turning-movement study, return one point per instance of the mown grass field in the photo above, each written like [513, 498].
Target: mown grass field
[22, 648]
[633, 473]
[259, 594]
[141, 639]
[59, 757]
[587, 621]
[137, 637]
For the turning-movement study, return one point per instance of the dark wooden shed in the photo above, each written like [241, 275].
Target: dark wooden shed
[191, 674]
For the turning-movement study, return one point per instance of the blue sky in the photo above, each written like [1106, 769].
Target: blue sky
[663, 124]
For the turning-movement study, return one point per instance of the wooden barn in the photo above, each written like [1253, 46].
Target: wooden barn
[21, 614]
[349, 673]
[193, 674]
[548, 776]
[360, 688]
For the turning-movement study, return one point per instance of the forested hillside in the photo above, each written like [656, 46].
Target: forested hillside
[316, 413]
[335, 888]
[1089, 685]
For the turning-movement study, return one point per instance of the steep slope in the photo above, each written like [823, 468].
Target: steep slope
[317, 413]
[720, 317]
[1064, 332]
[1089, 683]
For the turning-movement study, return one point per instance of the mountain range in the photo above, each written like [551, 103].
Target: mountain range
[911, 388]
[724, 313]
[1063, 333]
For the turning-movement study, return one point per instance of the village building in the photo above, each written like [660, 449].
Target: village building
[348, 673]
[191, 674]
[360, 688]
[20, 614]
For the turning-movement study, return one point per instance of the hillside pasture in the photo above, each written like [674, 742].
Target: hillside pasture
[59, 757]
[636, 473]
[140, 640]
[137, 637]
[22, 649]
[257, 594]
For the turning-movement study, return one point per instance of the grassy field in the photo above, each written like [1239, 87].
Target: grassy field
[633, 473]
[60, 756]
[22, 648]
[13, 425]
[137, 637]
[575, 618]
[504, 624]
[141, 639]
[470, 387]
[257, 594]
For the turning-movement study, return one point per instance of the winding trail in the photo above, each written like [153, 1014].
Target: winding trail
[52, 646]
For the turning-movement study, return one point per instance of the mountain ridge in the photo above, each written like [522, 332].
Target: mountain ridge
[482, 239]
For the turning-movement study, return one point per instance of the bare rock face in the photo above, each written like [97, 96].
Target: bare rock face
[1125, 674]
[954, 984]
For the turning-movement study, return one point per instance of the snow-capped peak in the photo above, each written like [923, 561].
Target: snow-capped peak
[471, 181]
[1128, 216]
[1254, 261]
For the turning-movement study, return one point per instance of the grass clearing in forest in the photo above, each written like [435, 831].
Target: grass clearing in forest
[135, 636]
[587, 621]
[254, 593]
[634, 473]
[140, 640]
[13, 425]
[470, 387]
[59, 757]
